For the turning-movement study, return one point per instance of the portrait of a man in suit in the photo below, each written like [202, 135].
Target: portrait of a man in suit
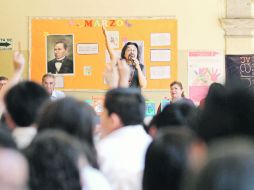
[62, 63]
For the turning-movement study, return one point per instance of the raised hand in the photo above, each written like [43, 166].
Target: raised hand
[18, 61]
[111, 75]
[110, 51]
[124, 73]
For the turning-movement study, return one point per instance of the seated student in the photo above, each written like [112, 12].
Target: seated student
[22, 103]
[124, 141]
[58, 161]
[214, 87]
[181, 113]
[230, 165]
[74, 117]
[55, 160]
[3, 81]
[177, 94]
[167, 159]
[227, 112]
[49, 82]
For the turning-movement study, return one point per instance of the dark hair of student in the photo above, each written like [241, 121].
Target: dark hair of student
[230, 166]
[227, 111]
[166, 159]
[176, 114]
[23, 102]
[53, 158]
[127, 103]
[72, 116]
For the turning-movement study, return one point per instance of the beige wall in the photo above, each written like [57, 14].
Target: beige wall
[198, 25]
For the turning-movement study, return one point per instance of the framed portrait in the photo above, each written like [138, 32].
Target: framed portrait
[59, 58]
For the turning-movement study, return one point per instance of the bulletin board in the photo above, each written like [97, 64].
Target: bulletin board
[157, 38]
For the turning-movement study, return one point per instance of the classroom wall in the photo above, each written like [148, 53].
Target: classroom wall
[198, 25]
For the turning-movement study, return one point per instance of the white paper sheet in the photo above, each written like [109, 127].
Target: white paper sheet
[160, 39]
[113, 37]
[59, 81]
[160, 72]
[87, 49]
[160, 55]
[87, 70]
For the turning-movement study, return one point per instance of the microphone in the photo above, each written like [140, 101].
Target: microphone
[131, 56]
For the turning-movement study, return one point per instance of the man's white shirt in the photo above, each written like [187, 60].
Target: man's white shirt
[57, 94]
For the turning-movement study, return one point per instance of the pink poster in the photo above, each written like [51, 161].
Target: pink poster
[204, 68]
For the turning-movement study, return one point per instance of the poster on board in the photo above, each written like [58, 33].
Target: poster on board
[204, 68]
[59, 54]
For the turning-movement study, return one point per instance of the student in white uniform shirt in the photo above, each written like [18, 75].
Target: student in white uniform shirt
[49, 82]
[124, 142]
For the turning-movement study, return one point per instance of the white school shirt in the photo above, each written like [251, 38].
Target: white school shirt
[121, 156]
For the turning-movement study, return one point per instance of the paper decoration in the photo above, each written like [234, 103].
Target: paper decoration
[113, 37]
[163, 55]
[160, 72]
[160, 39]
[59, 81]
[98, 102]
[150, 108]
[87, 49]
[87, 70]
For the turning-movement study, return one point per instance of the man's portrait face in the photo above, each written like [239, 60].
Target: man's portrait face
[49, 84]
[60, 54]
[60, 51]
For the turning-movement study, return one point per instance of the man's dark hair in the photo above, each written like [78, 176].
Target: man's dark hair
[62, 42]
[72, 116]
[127, 103]
[23, 102]
[176, 114]
[53, 161]
[166, 159]
[125, 47]
[3, 78]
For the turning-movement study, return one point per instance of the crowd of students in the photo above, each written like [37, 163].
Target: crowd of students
[59, 143]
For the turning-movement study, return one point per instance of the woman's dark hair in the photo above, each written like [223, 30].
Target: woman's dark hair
[125, 47]
[53, 158]
[166, 159]
[72, 116]
[178, 84]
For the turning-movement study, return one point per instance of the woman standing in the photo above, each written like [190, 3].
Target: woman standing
[176, 93]
[131, 55]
